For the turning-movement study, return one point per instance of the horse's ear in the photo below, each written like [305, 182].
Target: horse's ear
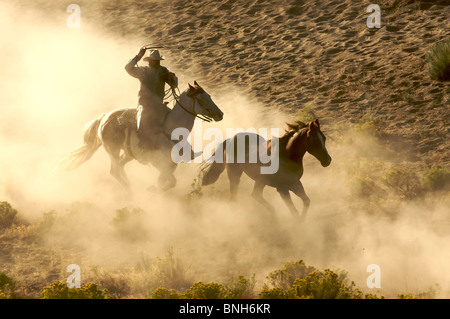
[317, 123]
[195, 83]
[313, 125]
[191, 91]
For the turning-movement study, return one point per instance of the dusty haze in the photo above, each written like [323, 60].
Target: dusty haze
[56, 79]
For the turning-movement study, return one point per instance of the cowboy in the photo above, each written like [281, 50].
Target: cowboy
[152, 111]
[151, 93]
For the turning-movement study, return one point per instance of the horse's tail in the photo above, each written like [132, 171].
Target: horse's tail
[91, 144]
[211, 170]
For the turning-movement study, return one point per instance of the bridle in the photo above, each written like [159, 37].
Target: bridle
[176, 97]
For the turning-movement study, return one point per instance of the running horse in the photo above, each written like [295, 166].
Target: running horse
[116, 131]
[292, 146]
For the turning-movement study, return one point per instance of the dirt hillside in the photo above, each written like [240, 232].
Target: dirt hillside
[289, 54]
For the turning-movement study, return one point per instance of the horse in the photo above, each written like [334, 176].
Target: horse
[117, 132]
[298, 139]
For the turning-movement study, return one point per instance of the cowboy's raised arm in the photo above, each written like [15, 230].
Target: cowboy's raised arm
[131, 67]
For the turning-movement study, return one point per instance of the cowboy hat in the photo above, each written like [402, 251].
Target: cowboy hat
[153, 54]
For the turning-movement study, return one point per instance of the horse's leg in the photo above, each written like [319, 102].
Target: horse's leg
[117, 171]
[298, 190]
[112, 136]
[234, 172]
[166, 179]
[284, 193]
[124, 159]
[257, 194]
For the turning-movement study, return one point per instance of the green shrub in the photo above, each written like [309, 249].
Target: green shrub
[368, 128]
[363, 186]
[437, 179]
[273, 293]
[298, 281]
[7, 287]
[285, 277]
[403, 182]
[371, 122]
[406, 296]
[306, 113]
[170, 271]
[164, 293]
[237, 288]
[438, 58]
[59, 290]
[116, 283]
[7, 215]
[308, 284]
[364, 167]
[364, 177]
[47, 222]
[241, 288]
[323, 285]
[211, 290]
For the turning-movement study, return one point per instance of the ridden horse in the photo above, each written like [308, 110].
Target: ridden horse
[292, 146]
[117, 132]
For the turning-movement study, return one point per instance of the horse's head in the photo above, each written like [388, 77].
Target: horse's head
[315, 143]
[306, 137]
[207, 107]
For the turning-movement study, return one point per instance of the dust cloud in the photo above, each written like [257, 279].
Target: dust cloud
[56, 79]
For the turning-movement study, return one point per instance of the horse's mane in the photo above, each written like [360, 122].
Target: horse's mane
[296, 126]
[292, 128]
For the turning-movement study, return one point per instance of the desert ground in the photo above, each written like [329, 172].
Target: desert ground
[384, 200]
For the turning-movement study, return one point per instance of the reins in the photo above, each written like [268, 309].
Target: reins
[176, 97]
